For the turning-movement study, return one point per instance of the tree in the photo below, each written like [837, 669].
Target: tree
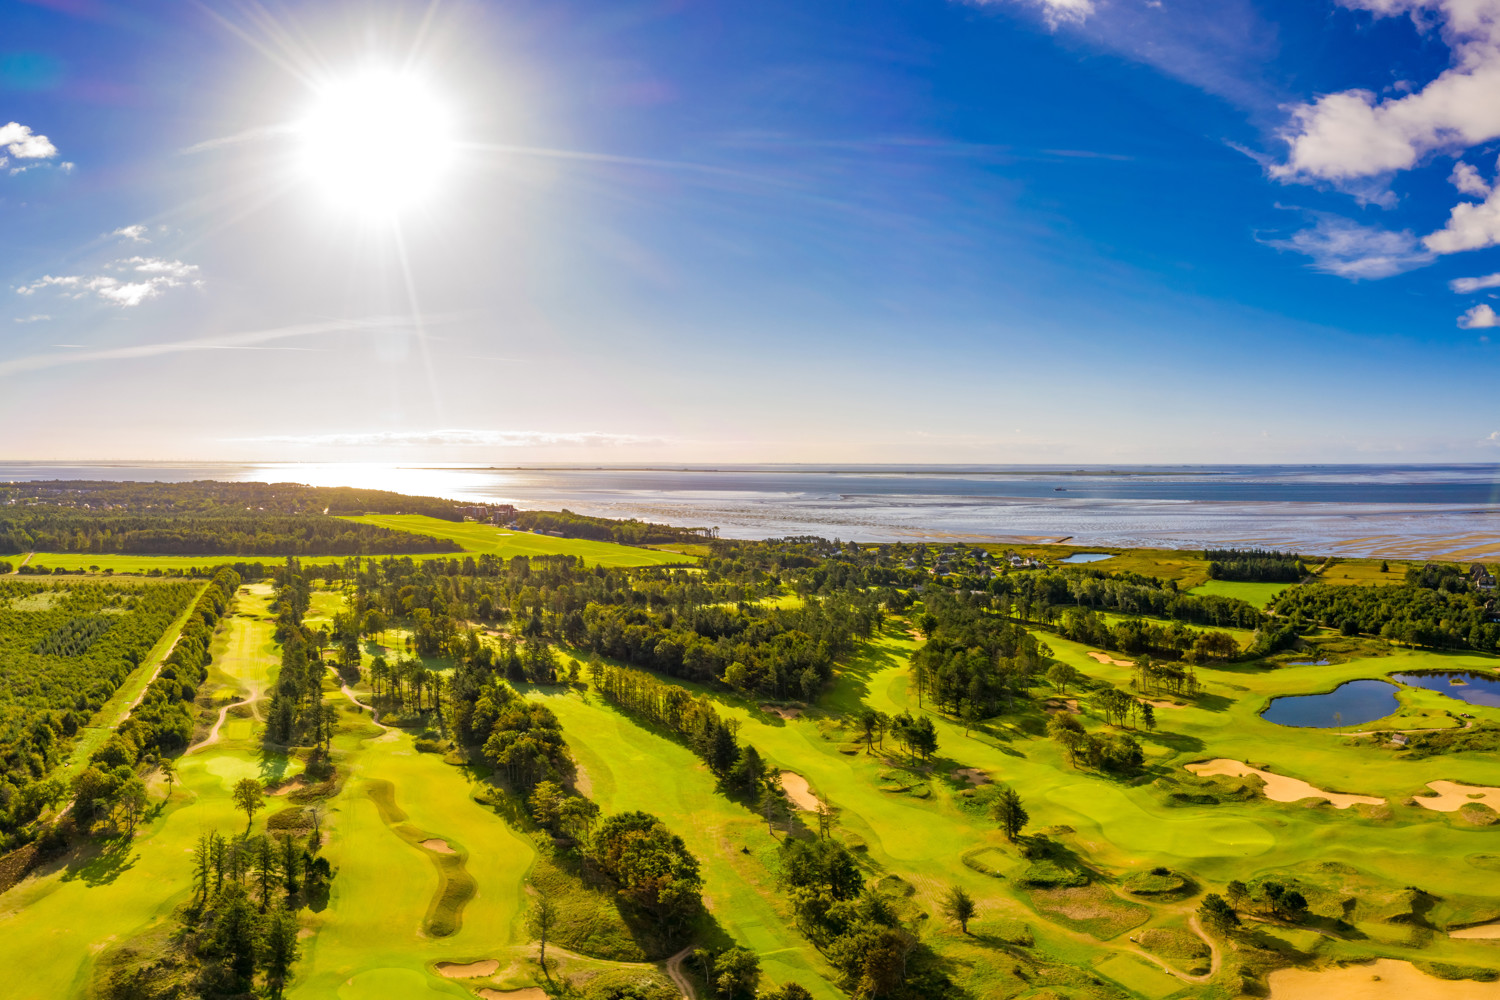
[735, 973]
[248, 797]
[546, 804]
[1292, 906]
[958, 906]
[1009, 812]
[1218, 916]
[541, 920]
[1061, 675]
[279, 948]
[168, 773]
[1237, 894]
[133, 800]
[791, 991]
[649, 865]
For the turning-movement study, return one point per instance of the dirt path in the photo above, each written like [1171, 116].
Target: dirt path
[213, 734]
[374, 712]
[674, 969]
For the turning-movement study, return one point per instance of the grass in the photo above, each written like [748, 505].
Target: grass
[475, 539]
[376, 938]
[483, 538]
[1258, 594]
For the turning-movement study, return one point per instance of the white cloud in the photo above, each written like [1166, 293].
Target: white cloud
[1471, 226]
[1338, 246]
[135, 234]
[1479, 318]
[158, 265]
[1354, 134]
[24, 144]
[33, 318]
[1466, 178]
[160, 274]
[1465, 285]
[1056, 12]
[461, 437]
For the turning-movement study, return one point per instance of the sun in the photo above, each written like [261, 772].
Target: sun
[377, 142]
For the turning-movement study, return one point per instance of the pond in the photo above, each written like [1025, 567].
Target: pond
[1087, 557]
[1352, 703]
[1476, 689]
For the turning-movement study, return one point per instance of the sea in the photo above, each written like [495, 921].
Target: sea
[1397, 511]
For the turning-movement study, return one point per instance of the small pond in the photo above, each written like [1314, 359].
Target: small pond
[1476, 689]
[1087, 557]
[1354, 703]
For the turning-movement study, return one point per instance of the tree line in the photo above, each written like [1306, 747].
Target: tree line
[239, 534]
[1258, 565]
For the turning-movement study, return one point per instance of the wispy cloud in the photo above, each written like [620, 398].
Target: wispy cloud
[231, 341]
[33, 318]
[1056, 12]
[455, 437]
[147, 277]
[1465, 285]
[136, 233]
[1349, 250]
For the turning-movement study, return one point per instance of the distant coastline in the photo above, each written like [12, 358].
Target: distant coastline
[1397, 511]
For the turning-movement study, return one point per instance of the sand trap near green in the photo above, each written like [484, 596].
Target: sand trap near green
[1385, 979]
[1279, 787]
[1452, 796]
[1484, 932]
[375, 939]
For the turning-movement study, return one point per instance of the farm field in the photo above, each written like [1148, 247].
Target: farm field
[475, 538]
[1258, 594]
[487, 539]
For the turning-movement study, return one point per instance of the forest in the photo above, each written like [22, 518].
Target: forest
[603, 529]
[216, 499]
[1256, 565]
[64, 649]
[1436, 607]
[237, 534]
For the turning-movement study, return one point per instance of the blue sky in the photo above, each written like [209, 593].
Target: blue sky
[1015, 231]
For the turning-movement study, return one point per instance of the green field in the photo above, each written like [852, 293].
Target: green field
[921, 829]
[1258, 594]
[475, 538]
[484, 538]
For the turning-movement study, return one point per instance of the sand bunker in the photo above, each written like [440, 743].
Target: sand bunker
[1154, 703]
[1059, 704]
[1484, 932]
[972, 775]
[441, 846]
[473, 970]
[1452, 796]
[1386, 979]
[798, 791]
[1106, 658]
[1280, 788]
[529, 993]
[782, 713]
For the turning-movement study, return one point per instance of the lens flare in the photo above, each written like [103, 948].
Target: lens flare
[377, 142]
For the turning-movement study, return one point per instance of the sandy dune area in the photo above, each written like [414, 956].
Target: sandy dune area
[1279, 787]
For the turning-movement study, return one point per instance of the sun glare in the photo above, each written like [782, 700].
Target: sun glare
[377, 143]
